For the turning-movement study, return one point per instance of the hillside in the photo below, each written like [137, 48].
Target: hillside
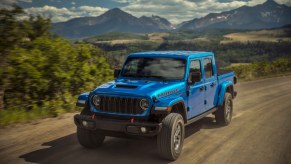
[114, 20]
[117, 36]
[267, 15]
[190, 35]
[270, 35]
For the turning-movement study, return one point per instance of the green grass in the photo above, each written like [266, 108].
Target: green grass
[271, 35]
[243, 79]
[259, 70]
[169, 36]
[8, 117]
[117, 36]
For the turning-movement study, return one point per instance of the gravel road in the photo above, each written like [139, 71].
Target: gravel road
[260, 132]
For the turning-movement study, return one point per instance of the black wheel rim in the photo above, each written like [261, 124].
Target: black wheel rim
[177, 137]
[228, 110]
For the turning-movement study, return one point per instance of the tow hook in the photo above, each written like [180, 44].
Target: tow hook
[132, 120]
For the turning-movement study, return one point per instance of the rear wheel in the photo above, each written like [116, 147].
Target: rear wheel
[170, 139]
[223, 115]
[89, 139]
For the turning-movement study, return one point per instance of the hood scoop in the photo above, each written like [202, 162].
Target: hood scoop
[126, 86]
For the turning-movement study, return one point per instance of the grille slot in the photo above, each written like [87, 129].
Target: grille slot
[120, 105]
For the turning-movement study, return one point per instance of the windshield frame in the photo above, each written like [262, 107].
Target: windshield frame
[152, 78]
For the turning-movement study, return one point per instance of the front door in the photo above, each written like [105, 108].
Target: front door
[210, 82]
[196, 91]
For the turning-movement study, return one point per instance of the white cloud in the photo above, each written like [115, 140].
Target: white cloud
[57, 14]
[125, 1]
[91, 11]
[7, 4]
[287, 2]
[28, 1]
[64, 14]
[177, 11]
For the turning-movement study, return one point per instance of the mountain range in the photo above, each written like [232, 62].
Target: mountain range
[114, 20]
[267, 15]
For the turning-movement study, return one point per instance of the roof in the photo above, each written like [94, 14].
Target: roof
[181, 54]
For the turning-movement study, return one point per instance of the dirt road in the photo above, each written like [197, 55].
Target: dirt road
[260, 132]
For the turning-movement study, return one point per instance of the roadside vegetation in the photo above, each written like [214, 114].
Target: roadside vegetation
[270, 35]
[41, 75]
[226, 54]
[278, 67]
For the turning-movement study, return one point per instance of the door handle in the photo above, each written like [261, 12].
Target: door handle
[212, 84]
[201, 88]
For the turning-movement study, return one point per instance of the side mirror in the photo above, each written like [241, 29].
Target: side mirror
[116, 73]
[194, 77]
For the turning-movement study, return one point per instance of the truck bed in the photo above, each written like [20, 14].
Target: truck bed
[223, 71]
[225, 75]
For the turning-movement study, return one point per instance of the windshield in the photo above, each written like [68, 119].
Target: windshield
[153, 67]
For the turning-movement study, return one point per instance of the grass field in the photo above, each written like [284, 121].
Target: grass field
[273, 35]
[117, 36]
[220, 35]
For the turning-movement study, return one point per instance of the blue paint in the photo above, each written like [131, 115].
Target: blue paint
[163, 93]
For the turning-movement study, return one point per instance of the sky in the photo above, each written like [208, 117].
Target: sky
[176, 11]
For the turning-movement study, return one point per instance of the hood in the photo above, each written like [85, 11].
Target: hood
[141, 88]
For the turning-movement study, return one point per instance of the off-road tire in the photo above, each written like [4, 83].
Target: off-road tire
[89, 139]
[223, 114]
[167, 146]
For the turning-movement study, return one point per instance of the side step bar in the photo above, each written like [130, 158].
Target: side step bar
[194, 119]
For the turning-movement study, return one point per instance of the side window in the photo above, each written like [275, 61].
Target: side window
[208, 67]
[195, 67]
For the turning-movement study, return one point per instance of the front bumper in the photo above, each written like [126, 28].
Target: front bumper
[113, 125]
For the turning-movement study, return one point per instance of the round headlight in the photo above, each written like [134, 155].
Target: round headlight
[96, 100]
[144, 104]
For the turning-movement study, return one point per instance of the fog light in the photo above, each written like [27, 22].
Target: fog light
[143, 129]
[85, 123]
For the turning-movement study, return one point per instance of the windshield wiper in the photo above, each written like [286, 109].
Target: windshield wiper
[135, 76]
[151, 76]
[154, 76]
[157, 77]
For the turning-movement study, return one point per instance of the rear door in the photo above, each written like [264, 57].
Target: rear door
[196, 91]
[210, 82]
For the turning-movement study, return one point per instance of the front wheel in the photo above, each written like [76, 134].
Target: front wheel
[170, 139]
[224, 113]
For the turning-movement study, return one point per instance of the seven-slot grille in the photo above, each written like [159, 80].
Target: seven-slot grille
[120, 105]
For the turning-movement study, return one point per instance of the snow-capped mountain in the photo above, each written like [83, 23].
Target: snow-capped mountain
[267, 15]
[114, 20]
[158, 22]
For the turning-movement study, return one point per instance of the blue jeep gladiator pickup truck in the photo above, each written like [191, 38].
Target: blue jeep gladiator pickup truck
[157, 94]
